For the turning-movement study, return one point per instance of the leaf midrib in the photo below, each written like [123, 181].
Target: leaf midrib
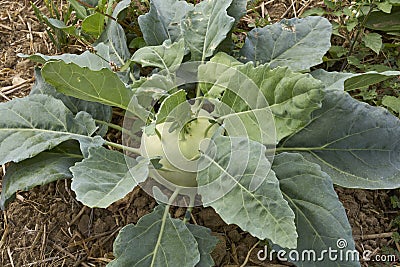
[48, 131]
[247, 191]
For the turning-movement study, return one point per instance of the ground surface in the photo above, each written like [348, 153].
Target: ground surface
[48, 227]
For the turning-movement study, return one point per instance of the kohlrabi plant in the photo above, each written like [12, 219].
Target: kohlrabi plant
[251, 133]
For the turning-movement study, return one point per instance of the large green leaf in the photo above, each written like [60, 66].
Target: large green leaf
[46, 167]
[167, 56]
[206, 26]
[211, 80]
[156, 241]
[235, 178]
[206, 243]
[93, 61]
[296, 43]
[291, 97]
[320, 217]
[243, 110]
[351, 81]
[96, 110]
[106, 176]
[356, 144]
[384, 22]
[163, 21]
[103, 86]
[37, 123]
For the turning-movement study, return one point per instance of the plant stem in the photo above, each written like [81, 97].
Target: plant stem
[187, 214]
[132, 76]
[280, 149]
[109, 9]
[127, 148]
[111, 125]
[163, 221]
[192, 199]
[198, 102]
[198, 92]
[116, 127]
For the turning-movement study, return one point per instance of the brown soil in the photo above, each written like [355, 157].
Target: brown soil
[48, 227]
[19, 33]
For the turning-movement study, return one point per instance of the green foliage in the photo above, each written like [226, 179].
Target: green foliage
[319, 215]
[100, 185]
[395, 202]
[351, 81]
[393, 103]
[163, 21]
[248, 203]
[156, 240]
[290, 96]
[46, 167]
[353, 24]
[56, 27]
[205, 27]
[357, 155]
[83, 20]
[39, 122]
[166, 56]
[373, 41]
[281, 136]
[385, 22]
[284, 44]
[103, 86]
